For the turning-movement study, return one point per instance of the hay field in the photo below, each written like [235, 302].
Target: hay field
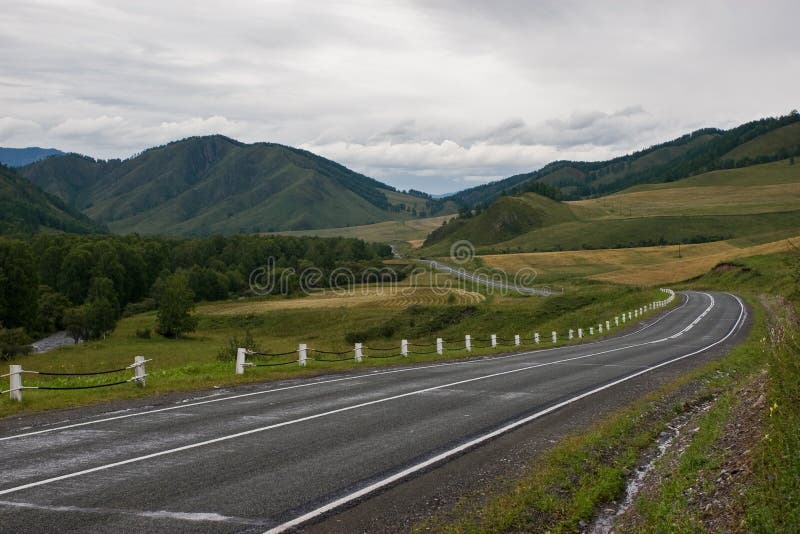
[388, 297]
[635, 266]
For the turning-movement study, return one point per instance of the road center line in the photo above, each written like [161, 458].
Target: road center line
[329, 381]
[489, 436]
[328, 413]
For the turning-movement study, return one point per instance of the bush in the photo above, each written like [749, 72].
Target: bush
[228, 352]
[144, 333]
[135, 308]
[13, 342]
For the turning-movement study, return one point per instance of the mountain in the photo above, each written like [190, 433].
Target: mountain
[504, 219]
[24, 209]
[760, 141]
[213, 184]
[754, 204]
[18, 157]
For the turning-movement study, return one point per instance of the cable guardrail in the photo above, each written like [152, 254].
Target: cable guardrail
[466, 345]
[16, 373]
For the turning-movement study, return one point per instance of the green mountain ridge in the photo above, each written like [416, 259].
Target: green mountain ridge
[26, 209]
[704, 150]
[213, 184]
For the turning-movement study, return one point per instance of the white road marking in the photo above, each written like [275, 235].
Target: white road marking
[159, 514]
[486, 437]
[324, 414]
[184, 404]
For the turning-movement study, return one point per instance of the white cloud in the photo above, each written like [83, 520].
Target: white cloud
[400, 89]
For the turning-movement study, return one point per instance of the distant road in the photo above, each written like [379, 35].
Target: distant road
[463, 274]
[275, 455]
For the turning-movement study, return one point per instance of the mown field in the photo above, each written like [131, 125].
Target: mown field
[635, 266]
[412, 230]
[760, 203]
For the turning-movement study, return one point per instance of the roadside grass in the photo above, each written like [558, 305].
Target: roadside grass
[192, 363]
[774, 498]
[561, 490]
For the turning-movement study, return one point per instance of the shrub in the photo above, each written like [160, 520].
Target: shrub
[228, 352]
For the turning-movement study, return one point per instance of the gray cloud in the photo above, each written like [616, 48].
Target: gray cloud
[431, 95]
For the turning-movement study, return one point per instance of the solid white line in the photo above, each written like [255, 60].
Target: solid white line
[158, 514]
[330, 381]
[319, 415]
[486, 437]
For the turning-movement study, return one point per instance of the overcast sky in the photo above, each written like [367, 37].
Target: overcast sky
[432, 95]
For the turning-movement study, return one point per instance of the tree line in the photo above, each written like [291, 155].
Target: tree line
[85, 283]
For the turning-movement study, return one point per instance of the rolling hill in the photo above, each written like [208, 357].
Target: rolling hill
[214, 184]
[705, 150]
[25, 209]
[759, 203]
[18, 157]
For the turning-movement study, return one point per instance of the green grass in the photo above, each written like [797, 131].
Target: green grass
[568, 483]
[191, 363]
[787, 137]
[383, 232]
[758, 202]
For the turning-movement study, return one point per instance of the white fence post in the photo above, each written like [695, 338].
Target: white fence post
[139, 373]
[591, 330]
[358, 352]
[15, 382]
[516, 340]
[571, 333]
[580, 333]
[616, 320]
[630, 316]
[600, 328]
[302, 354]
[404, 347]
[608, 325]
[439, 348]
[468, 343]
[494, 340]
[555, 336]
[241, 354]
[536, 338]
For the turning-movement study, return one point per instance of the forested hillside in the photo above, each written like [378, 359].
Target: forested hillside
[709, 149]
[51, 278]
[24, 209]
[207, 185]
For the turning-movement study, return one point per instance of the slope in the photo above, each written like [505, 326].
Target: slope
[506, 218]
[760, 203]
[17, 157]
[25, 209]
[214, 184]
[705, 150]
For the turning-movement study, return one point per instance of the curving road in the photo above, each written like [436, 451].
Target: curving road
[284, 453]
[485, 280]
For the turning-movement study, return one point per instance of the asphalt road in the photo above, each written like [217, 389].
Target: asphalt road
[486, 280]
[272, 457]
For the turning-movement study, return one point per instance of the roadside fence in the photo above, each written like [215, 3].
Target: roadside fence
[360, 351]
[16, 373]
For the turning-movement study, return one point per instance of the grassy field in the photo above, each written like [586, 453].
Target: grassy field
[413, 231]
[636, 266]
[324, 322]
[562, 489]
[772, 187]
[761, 202]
